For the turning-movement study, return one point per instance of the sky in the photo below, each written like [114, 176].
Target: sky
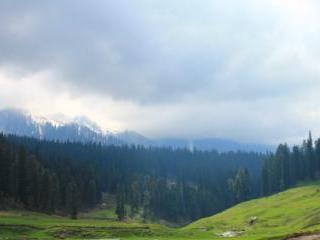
[244, 70]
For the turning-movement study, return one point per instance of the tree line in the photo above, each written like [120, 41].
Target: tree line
[286, 167]
[161, 183]
[26, 183]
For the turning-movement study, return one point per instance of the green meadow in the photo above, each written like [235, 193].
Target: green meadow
[294, 211]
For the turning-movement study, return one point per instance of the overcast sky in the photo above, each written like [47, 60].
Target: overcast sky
[246, 70]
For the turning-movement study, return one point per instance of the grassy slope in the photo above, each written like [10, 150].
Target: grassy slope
[295, 210]
[292, 211]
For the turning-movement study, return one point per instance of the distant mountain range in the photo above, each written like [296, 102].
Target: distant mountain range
[81, 129]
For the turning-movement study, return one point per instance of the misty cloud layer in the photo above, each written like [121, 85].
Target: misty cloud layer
[239, 69]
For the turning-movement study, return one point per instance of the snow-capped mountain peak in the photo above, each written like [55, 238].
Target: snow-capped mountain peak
[44, 120]
[86, 122]
[78, 129]
[81, 129]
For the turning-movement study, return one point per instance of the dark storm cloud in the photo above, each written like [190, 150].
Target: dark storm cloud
[109, 47]
[146, 51]
[241, 69]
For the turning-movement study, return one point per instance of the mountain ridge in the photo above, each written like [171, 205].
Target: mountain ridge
[81, 129]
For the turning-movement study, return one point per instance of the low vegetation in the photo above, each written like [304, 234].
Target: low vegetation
[30, 225]
[295, 211]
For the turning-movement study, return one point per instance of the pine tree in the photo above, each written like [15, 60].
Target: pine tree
[72, 198]
[4, 169]
[45, 189]
[309, 158]
[297, 172]
[120, 199]
[22, 178]
[92, 193]
[33, 183]
[283, 160]
[134, 198]
[55, 194]
[265, 178]
[240, 185]
[146, 205]
[317, 157]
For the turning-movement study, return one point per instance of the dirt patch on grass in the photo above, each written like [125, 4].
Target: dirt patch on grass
[305, 237]
[94, 232]
[7, 214]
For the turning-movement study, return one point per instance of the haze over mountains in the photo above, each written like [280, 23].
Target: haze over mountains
[82, 129]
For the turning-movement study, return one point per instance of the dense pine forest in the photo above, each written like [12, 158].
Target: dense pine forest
[176, 185]
[286, 167]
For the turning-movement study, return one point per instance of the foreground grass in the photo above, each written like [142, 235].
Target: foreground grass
[293, 211]
[15, 225]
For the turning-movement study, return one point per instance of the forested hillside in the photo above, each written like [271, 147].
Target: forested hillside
[160, 183]
[286, 167]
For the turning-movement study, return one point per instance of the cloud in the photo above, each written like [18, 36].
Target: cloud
[234, 69]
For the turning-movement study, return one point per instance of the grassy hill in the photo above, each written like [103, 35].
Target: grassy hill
[294, 211]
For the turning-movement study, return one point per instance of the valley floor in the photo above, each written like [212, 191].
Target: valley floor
[296, 211]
